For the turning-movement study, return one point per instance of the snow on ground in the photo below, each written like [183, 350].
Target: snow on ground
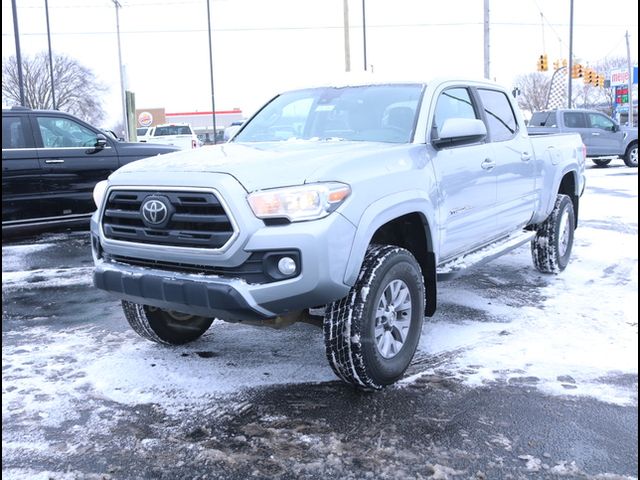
[568, 334]
[584, 330]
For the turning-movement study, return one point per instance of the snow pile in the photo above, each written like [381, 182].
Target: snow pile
[577, 334]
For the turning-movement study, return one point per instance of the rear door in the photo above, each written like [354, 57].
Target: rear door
[515, 168]
[71, 164]
[576, 122]
[21, 180]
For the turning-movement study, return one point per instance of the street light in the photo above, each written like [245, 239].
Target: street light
[124, 98]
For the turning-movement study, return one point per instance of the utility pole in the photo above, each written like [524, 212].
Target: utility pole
[570, 67]
[53, 89]
[213, 101]
[364, 36]
[124, 99]
[630, 81]
[347, 47]
[486, 40]
[18, 56]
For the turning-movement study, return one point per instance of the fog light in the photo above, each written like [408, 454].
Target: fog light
[287, 266]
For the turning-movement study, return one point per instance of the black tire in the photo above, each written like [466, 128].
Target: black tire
[600, 162]
[359, 342]
[551, 247]
[164, 326]
[631, 156]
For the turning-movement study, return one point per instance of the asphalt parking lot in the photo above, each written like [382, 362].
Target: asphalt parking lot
[518, 375]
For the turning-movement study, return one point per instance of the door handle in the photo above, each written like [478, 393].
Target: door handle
[55, 160]
[525, 156]
[488, 164]
[595, 133]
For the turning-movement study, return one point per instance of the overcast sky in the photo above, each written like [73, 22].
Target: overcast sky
[263, 46]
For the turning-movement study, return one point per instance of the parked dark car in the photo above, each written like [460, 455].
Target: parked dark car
[50, 163]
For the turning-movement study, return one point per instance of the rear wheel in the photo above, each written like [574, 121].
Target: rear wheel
[165, 326]
[551, 247]
[371, 335]
[631, 156]
[601, 162]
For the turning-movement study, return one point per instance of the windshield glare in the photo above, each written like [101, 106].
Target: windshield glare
[375, 113]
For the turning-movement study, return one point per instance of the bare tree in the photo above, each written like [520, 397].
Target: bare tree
[534, 89]
[76, 87]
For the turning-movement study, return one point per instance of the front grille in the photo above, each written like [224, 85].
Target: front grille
[198, 219]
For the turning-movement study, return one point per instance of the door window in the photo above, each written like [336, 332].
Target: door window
[574, 120]
[60, 132]
[500, 117]
[597, 120]
[452, 103]
[13, 133]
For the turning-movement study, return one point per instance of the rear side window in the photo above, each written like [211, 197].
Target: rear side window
[499, 113]
[574, 120]
[13, 133]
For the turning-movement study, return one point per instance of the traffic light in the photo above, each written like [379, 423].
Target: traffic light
[556, 64]
[601, 80]
[564, 62]
[576, 70]
[589, 79]
[543, 66]
[580, 71]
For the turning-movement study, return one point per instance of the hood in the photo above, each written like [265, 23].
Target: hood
[264, 165]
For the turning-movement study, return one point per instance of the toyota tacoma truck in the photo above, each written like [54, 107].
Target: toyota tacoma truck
[340, 205]
[605, 139]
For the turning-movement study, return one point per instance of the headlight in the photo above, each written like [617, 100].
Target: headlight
[306, 202]
[99, 191]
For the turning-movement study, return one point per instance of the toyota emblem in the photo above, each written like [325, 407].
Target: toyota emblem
[154, 212]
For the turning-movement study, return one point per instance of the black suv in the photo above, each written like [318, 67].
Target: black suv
[50, 163]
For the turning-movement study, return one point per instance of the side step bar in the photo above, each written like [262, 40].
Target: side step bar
[459, 265]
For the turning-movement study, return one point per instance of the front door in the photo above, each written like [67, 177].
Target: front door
[466, 181]
[71, 164]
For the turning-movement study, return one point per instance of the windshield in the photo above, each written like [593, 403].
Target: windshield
[375, 113]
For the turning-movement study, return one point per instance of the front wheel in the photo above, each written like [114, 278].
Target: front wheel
[631, 156]
[372, 334]
[551, 247]
[165, 326]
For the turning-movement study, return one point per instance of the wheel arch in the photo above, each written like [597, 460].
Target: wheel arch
[404, 224]
[569, 186]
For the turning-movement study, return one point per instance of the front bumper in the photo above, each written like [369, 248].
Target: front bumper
[323, 246]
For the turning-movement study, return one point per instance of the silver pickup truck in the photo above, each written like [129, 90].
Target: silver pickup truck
[339, 205]
[605, 139]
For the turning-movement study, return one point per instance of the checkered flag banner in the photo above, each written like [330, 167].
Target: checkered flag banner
[557, 97]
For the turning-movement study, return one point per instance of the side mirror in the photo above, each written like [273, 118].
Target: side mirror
[615, 127]
[101, 141]
[460, 131]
